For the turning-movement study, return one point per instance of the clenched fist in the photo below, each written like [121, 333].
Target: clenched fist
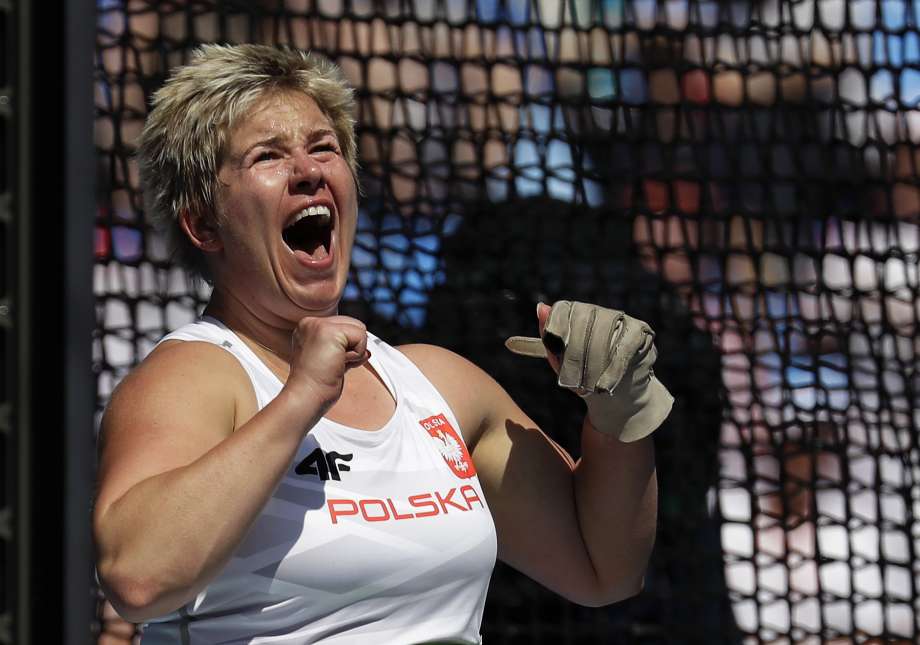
[605, 357]
[323, 349]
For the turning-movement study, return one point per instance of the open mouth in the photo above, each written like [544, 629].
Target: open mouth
[310, 232]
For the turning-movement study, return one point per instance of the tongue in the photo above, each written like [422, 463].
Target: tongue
[313, 251]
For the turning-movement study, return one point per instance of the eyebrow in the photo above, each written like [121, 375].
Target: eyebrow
[277, 141]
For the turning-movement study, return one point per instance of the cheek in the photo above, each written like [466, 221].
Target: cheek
[251, 197]
[338, 174]
[345, 192]
[270, 180]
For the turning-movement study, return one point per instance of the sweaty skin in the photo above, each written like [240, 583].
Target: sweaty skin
[187, 461]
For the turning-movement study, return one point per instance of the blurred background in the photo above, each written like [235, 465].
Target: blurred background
[740, 174]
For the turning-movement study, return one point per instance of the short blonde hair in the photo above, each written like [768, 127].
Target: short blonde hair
[186, 133]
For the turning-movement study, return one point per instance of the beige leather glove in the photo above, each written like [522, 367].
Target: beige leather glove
[606, 357]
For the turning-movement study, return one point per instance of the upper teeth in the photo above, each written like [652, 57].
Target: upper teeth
[313, 211]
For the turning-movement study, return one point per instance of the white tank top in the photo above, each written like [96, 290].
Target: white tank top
[371, 537]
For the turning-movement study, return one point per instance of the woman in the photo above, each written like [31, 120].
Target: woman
[275, 473]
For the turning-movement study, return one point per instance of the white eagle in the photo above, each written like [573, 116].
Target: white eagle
[451, 450]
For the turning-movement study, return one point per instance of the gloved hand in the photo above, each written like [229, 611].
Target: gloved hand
[605, 357]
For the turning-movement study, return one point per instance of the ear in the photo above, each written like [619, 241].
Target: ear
[201, 231]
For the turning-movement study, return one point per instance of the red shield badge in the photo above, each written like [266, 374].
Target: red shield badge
[450, 445]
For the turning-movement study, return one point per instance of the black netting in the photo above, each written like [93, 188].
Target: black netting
[742, 175]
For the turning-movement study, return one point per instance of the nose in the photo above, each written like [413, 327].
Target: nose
[306, 174]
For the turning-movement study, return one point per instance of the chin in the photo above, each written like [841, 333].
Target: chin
[317, 303]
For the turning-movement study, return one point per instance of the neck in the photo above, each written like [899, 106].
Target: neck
[265, 331]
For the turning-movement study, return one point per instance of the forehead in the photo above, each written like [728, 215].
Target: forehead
[279, 115]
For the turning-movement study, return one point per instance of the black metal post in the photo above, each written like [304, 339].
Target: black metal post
[51, 318]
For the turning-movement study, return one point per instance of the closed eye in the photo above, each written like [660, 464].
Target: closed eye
[267, 155]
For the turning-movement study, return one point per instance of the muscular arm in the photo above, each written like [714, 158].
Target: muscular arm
[584, 530]
[186, 463]
[184, 471]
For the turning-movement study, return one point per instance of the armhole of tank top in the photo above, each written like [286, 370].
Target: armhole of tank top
[407, 363]
[248, 370]
[255, 367]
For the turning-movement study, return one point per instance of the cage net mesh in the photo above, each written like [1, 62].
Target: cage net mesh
[742, 175]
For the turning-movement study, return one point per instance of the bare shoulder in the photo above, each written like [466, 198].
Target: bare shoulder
[435, 357]
[470, 392]
[179, 371]
[182, 400]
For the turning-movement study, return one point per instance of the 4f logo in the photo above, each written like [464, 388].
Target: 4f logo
[324, 464]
